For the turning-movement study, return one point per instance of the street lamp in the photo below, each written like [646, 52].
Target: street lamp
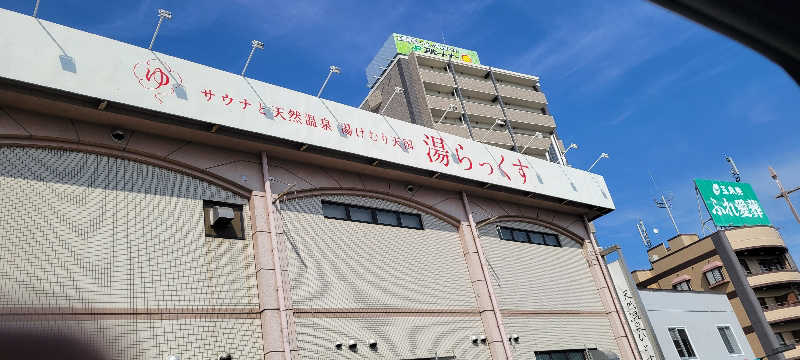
[602, 155]
[333, 69]
[256, 45]
[451, 107]
[571, 146]
[162, 14]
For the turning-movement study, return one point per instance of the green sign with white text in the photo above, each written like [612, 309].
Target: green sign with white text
[731, 203]
[406, 44]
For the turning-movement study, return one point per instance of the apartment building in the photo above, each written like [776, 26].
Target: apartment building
[498, 107]
[690, 263]
[157, 208]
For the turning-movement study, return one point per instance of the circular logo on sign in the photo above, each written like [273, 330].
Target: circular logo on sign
[156, 76]
[466, 58]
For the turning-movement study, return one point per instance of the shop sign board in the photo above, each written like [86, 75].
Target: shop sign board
[731, 203]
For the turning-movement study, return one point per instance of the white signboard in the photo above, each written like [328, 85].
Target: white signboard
[59, 57]
[632, 311]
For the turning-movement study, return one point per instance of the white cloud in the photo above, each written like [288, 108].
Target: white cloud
[591, 49]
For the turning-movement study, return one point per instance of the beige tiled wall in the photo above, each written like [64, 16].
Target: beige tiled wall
[398, 337]
[345, 264]
[91, 234]
[155, 339]
[538, 277]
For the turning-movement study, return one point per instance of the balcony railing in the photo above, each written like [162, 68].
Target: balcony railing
[775, 313]
[500, 137]
[436, 76]
[785, 305]
[775, 269]
[773, 277]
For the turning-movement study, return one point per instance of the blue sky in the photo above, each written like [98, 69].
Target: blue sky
[659, 93]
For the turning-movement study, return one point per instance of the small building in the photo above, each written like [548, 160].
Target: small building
[692, 263]
[695, 324]
[676, 325]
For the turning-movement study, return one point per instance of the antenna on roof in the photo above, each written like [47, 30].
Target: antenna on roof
[734, 170]
[643, 234]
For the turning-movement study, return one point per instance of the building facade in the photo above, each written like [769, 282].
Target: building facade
[671, 324]
[691, 324]
[489, 105]
[691, 263]
[157, 207]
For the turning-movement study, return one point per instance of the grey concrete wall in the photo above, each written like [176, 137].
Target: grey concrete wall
[699, 313]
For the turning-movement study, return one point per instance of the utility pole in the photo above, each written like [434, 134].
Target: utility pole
[784, 194]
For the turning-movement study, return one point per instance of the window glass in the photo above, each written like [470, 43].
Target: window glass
[796, 336]
[714, 276]
[551, 240]
[561, 355]
[682, 286]
[387, 217]
[781, 300]
[779, 337]
[411, 220]
[505, 233]
[682, 344]
[771, 264]
[520, 236]
[360, 214]
[537, 238]
[335, 211]
[763, 302]
[730, 341]
[533, 237]
[576, 355]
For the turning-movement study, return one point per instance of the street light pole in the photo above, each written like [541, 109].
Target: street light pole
[256, 45]
[333, 69]
[162, 14]
[602, 155]
[784, 194]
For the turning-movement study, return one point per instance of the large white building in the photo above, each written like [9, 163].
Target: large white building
[156, 207]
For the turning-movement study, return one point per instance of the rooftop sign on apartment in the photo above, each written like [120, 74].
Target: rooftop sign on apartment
[406, 44]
